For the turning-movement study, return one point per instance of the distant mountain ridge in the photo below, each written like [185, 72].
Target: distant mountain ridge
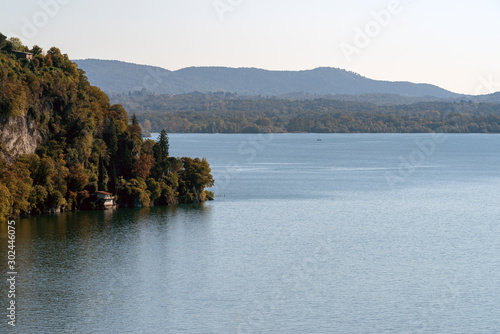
[120, 77]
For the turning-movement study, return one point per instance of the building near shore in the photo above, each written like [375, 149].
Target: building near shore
[105, 200]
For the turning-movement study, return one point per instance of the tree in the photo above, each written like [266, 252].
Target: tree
[16, 43]
[111, 140]
[77, 179]
[142, 167]
[119, 115]
[48, 60]
[160, 153]
[195, 177]
[164, 145]
[135, 130]
[148, 147]
[101, 156]
[56, 57]
[16, 179]
[129, 149]
[146, 125]
[5, 204]
[3, 41]
[36, 50]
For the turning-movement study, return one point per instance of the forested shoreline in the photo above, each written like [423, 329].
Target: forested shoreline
[230, 113]
[83, 143]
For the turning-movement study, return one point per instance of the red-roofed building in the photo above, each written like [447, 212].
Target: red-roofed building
[105, 200]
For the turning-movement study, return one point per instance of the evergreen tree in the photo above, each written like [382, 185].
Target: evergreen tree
[112, 143]
[164, 145]
[102, 175]
[135, 129]
[161, 153]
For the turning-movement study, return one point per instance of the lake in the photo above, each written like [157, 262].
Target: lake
[330, 233]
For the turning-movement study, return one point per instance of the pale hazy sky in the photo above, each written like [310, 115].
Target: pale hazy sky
[450, 43]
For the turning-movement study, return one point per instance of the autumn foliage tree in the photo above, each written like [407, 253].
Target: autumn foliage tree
[143, 165]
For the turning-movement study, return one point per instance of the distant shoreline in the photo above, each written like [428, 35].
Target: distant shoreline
[326, 134]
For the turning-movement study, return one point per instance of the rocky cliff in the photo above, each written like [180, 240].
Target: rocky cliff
[18, 135]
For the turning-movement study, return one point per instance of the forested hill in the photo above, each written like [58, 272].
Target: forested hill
[61, 141]
[121, 77]
[230, 113]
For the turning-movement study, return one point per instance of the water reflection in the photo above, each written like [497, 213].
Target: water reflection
[86, 224]
[207, 269]
[88, 265]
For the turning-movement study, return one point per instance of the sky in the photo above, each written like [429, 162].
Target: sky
[449, 43]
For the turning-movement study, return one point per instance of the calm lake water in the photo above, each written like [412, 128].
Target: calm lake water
[353, 233]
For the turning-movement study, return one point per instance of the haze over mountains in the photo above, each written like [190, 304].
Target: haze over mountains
[117, 77]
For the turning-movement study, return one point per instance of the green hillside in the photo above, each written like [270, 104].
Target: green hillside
[76, 143]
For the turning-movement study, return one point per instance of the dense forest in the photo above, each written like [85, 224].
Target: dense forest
[230, 113]
[86, 144]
